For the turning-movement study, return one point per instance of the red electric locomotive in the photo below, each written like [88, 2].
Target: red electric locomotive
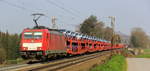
[41, 43]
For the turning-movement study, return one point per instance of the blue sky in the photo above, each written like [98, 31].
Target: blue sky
[128, 13]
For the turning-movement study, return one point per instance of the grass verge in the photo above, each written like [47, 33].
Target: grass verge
[11, 62]
[16, 61]
[116, 63]
[147, 50]
[143, 56]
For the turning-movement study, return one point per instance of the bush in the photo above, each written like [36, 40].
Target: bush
[2, 55]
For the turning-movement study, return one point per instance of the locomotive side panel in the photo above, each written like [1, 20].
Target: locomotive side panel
[56, 43]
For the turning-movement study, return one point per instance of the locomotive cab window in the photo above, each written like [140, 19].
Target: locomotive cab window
[37, 35]
[28, 35]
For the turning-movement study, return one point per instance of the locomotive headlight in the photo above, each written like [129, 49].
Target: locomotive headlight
[25, 48]
[39, 48]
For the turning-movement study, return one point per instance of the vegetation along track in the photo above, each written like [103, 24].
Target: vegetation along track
[54, 66]
[7, 68]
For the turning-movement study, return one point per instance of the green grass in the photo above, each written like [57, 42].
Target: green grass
[146, 54]
[11, 62]
[146, 50]
[116, 63]
[16, 61]
[143, 56]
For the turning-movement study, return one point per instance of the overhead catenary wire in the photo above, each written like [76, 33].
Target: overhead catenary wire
[73, 10]
[64, 9]
[61, 21]
[15, 5]
[21, 7]
[26, 9]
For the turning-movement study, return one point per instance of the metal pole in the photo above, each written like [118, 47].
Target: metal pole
[54, 22]
[113, 29]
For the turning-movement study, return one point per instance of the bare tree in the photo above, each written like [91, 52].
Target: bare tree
[139, 38]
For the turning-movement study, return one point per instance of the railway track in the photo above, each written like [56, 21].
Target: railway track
[54, 66]
[15, 66]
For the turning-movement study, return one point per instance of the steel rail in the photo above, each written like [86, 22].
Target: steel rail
[60, 65]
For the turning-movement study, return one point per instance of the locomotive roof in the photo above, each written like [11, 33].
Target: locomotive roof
[43, 27]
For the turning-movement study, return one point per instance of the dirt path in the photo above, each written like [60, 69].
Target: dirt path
[138, 64]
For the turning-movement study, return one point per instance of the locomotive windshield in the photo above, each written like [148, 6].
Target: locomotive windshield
[35, 35]
[28, 35]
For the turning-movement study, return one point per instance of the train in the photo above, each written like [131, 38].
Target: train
[42, 43]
